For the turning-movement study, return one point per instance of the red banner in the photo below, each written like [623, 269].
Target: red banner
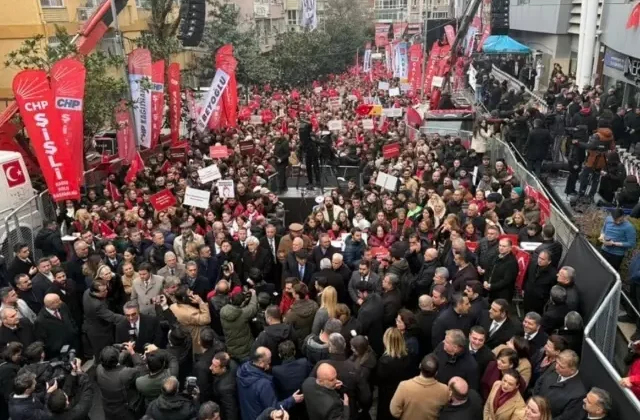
[226, 61]
[218, 152]
[415, 66]
[523, 258]
[437, 64]
[44, 126]
[450, 34]
[178, 153]
[382, 34]
[175, 102]
[67, 82]
[414, 29]
[398, 29]
[124, 133]
[247, 147]
[157, 100]
[543, 202]
[162, 200]
[390, 151]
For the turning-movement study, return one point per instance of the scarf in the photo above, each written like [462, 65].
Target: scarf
[502, 397]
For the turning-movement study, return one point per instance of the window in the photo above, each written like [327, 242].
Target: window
[52, 3]
[523, 2]
[292, 17]
[142, 4]
[53, 41]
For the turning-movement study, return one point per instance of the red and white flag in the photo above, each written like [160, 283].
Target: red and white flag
[175, 102]
[44, 126]
[139, 74]
[67, 82]
[157, 100]
[137, 165]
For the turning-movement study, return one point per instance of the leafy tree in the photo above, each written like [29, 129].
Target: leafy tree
[103, 91]
[225, 26]
[161, 37]
[301, 57]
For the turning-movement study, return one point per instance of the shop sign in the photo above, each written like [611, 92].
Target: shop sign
[614, 60]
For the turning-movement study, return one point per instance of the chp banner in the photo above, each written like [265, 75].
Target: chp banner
[157, 100]
[212, 101]
[309, 15]
[402, 61]
[140, 73]
[68, 77]
[382, 34]
[124, 134]
[387, 58]
[225, 59]
[175, 102]
[415, 66]
[366, 65]
[44, 126]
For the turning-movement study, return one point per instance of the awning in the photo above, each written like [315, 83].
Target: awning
[503, 44]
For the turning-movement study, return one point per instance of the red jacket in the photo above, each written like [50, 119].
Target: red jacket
[634, 377]
[385, 242]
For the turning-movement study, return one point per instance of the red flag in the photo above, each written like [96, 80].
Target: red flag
[364, 109]
[295, 95]
[124, 133]
[165, 167]
[244, 114]
[67, 82]
[113, 190]
[105, 231]
[226, 62]
[44, 126]
[413, 117]
[136, 166]
[267, 116]
[634, 17]
[175, 102]
[157, 100]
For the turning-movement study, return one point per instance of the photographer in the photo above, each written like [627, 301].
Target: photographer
[24, 403]
[174, 405]
[612, 178]
[228, 273]
[161, 364]
[597, 147]
[120, 400]
[235, 317]
[192, 313]
[43, 371]
[74, 400]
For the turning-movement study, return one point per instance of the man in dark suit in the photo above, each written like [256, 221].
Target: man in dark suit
[256, 257]
[478, 349]
[365, 274]
[425, 318]
[42, 281]
[303, 269]
[66, 291]
[499, 325]
[271, 242]
[371, 315]
[555, 310]
[21, 263]
[541, 276]
[24, 290]
[391, 300]
[140, 328]
[535, 335]
[320, 395]
[455, 317]
[465, 273]
[15, 328]
[111, 258]
[196, 283]
[240, 245]
[323, 250]
[55, 326]
[333, 279]
[563, 387]
[501, 280]
[479, 305]
[208, 265]
[74, 267]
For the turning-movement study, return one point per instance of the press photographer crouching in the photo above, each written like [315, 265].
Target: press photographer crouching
[25, 403]
[74, 400]
[44, 370]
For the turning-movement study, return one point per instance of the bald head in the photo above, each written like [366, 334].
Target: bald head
[52, 301]
[170, 386]
[431, 254]
[326, 376]
[297, 244]
[425, 302]
[459, 389]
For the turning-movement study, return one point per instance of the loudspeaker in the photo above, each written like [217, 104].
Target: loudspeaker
[499, 17]
[192, 16]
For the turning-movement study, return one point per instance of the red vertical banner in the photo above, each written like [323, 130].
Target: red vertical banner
[191, 104]
[415, 66]
[226, 61]
[44, 126]
[124, 134]
[141, 72]
[157, 100]
[68, 77]
[175, 102]
[382, 34]
[450, 33]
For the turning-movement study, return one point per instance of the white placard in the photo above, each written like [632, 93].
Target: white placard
[367, 124]
[226, 188]
[437, 81]
[388, 182]
[383, 85]
[256, 119]
[392, 112]
[352, 98]
[335, 103]
[335, 125]
[406, 87]
[394, 92]
[197, 198]
[208, 174]
[317, 90]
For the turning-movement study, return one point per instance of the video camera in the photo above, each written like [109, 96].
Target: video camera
[67, 357]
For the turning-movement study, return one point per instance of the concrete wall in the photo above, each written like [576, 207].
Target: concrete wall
[543, 16]
[614, 33]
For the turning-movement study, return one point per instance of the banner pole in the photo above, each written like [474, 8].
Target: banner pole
[424, 55]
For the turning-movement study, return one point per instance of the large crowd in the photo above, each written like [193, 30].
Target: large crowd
[383, 303]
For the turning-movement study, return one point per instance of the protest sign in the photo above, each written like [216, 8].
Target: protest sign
[390, 151]
[335, 125]
[392, 112]
[367, 124]
[219, 152]
[394, 92]
[226, 188]
[256, 119]
[162, 200]
[196, 198]
[247, 147]
[388, 182]
[383, 85]
[208, 174]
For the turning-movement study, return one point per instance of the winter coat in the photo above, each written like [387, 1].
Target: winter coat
[118, 391]
[235, 323]
[172, 407]
[538, 143]
[8, 372]
[194, 319]
[502, 278]
[409, 403]
[49, 242]
[595, 156]
[630, 194]
[486, 254]
[371, 315]
[353, 252]
[480, 139]
[256, 392]
[463, 365]
[300, 317]
[271, 337]
[99, 322]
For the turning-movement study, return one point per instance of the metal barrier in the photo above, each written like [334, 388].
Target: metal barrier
[513, 83]
[21, 226]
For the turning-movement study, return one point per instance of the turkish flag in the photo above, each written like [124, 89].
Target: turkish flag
[364, 109]
[113, 190]
[14, 173]
[634, 17]
[413, 117]
[136, 166]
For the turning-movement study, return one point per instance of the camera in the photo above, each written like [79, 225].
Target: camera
[190, 384]
[67, 357]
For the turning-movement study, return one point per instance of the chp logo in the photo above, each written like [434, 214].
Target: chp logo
[69, 104]
[14, 173]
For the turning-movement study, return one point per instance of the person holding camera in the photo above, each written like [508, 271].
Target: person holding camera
[161, 364]
[192, 313]
[75, 399]
[24, 403]
[597, 157]
[173, 404]
[120, 400]
[235, 317]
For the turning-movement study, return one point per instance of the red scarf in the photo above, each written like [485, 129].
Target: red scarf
[502, 397]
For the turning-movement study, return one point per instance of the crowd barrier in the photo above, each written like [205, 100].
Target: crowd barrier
[515, 84]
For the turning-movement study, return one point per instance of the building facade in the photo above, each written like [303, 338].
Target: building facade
[29, 18]
[411, 11]
[620, 51]
[266, 16]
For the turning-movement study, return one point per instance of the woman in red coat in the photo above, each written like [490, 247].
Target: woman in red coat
[381, 238]
[632, 381]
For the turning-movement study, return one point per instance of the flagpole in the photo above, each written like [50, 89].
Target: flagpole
[424, 53]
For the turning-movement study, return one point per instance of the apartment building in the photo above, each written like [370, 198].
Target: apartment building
[293, 10]
[28, 18]
[266, 16]
[411, 11]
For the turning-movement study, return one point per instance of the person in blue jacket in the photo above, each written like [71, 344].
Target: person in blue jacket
[256, 391]
[618, 235]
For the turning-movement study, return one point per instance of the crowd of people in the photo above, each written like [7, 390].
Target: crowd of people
[384, 303]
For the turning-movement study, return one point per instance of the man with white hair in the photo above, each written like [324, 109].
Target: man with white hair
[172, 266]
[256, 257]
[15, 329]
[338, 265]
[327, 277]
